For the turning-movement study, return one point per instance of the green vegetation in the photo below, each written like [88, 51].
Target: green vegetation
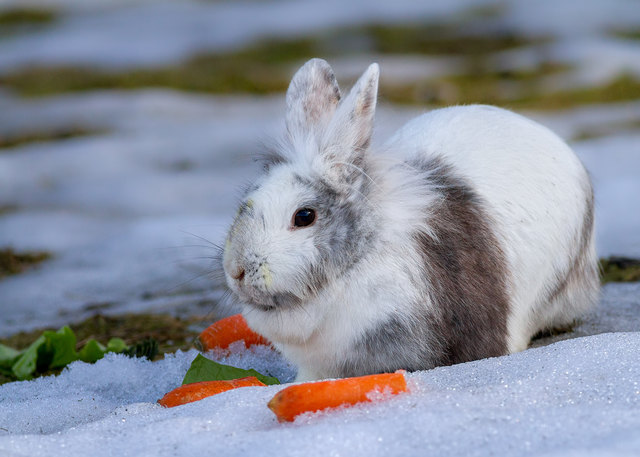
[51, 352]
[16, 20]
[259, 69]
[171, 333]
[57, 134]
[5, 209]
[201, 74]
[431, 39]
[602, 130]
[54, 350]
[12, 262]
[624, 87]
[148, 335]
[629, 34]
[476, 85]
[620, 269]
[266, 67]
[251, 71]
[203, 369]
[25, 16]
[517, 89]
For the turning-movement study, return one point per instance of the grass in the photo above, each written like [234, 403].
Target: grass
[259, 69]
[7, 209]
[628, 34]
[207, 74]
[432, 39]
[602, 130]
[620, 269]
[623, 88]
[476, 85]
[244, 74]
[57, 134]
[170, 332]
[25, 16]
[516, 89]
[140, 331]
[12, 262]
[266, 67]
[20, 20]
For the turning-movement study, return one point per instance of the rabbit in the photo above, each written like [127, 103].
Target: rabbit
[466, 233]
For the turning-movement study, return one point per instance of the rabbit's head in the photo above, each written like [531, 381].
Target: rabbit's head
[307, 219]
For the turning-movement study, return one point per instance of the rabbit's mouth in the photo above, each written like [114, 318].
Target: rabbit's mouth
[271, 302]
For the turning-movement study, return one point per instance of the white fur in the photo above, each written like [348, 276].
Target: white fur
[529, 177]
[534, 187]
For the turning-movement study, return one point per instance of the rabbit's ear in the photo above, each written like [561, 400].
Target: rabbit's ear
[352, 125]
[312, 97]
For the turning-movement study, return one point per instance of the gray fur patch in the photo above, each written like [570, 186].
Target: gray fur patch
[343, 230]
[466, 268]
[391, 346]
[464, 277]
[271, 155]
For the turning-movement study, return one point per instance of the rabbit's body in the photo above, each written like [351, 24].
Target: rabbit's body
[470, 231]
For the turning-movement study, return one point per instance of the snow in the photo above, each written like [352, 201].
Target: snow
[574, 397]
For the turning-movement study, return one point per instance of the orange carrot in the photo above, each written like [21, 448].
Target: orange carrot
[315, 396]
[199, 390]
[228, 330]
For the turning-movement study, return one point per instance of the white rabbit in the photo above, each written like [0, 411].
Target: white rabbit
[467, 233]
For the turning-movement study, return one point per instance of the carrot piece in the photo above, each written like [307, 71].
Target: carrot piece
[199, 390]
[228, 330]
[315, 396]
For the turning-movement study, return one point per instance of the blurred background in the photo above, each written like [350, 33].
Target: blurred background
[127, 127]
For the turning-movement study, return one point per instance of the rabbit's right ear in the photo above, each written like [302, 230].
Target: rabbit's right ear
[312, 97]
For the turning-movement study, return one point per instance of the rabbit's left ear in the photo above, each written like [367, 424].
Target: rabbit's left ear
[312, 97]
[352, 126]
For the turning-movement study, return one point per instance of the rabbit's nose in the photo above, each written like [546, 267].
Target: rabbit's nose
[238, 274]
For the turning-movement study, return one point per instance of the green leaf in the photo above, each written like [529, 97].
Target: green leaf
[203, 369]
[26, 364]
[116, 345]
[56, 350]
[92, 351]
[8, 356]
[62, 347]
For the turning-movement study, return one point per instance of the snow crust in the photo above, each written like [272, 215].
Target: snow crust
[575, 397]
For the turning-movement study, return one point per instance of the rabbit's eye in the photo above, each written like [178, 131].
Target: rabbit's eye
[304, 217]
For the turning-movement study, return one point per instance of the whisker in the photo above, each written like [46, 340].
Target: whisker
[227, 302]
[188, 281]
[190, 246]
[200, 257]
[209, 242]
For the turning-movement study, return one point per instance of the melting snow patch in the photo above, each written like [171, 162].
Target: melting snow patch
[576, 397]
